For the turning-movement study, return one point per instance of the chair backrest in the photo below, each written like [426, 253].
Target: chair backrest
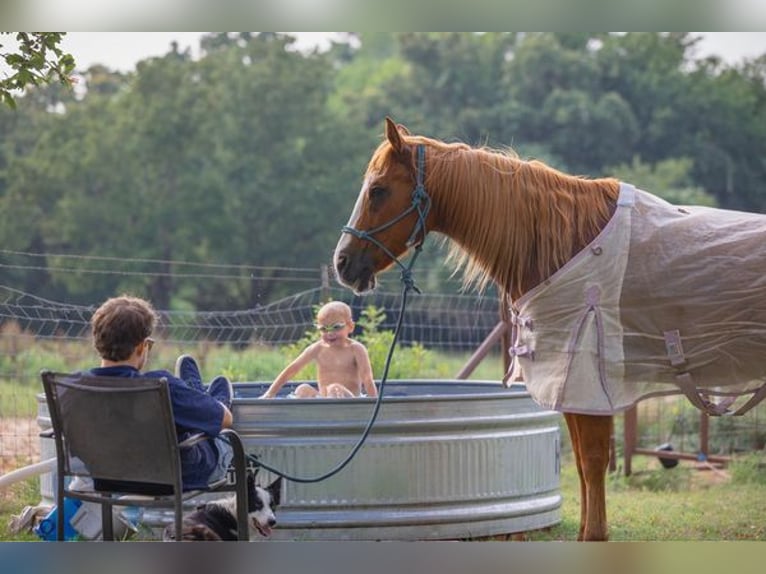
[114, 428]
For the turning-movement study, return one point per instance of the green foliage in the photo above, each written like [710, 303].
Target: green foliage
[406, 363]
[253, 364]
[749, 469]
[13, 499]
[651, 508]
[676, 479]
[669, 178]
[254, 151]
[38, 60]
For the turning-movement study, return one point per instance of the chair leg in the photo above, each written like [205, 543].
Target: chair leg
[179, 520]
[240, 474]
[107, 528]
[60, 512]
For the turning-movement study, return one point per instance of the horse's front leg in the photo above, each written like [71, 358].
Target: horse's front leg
[590, 444]
[575, 440]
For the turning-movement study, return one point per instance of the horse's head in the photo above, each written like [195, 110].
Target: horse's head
[390, 213]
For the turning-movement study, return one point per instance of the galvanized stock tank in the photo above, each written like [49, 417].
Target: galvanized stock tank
[444, 460]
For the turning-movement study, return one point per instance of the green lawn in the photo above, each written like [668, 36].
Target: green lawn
[655, 504]
[679, 504]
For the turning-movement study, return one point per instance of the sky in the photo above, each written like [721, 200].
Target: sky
[121, 50]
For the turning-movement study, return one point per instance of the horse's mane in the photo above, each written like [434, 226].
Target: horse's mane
[512, 221]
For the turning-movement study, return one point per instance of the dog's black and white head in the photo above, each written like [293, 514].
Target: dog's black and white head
[262, 506]
[217, 520]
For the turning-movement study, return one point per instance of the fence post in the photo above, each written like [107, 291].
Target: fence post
[482, 351]
[630, 429]
[324, 274]
[704, 435]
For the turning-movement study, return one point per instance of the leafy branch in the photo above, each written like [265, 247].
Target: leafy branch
[37, 60]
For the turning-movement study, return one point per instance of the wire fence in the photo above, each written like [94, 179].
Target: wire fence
[436, 321]
[38, 333]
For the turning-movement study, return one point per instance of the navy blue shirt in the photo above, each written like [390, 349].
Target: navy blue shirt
[194, 412]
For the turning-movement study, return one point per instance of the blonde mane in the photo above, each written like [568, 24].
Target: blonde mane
[512, 221]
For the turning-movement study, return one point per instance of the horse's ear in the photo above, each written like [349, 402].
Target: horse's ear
[393, 135]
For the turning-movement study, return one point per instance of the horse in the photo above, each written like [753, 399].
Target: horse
[522, 225]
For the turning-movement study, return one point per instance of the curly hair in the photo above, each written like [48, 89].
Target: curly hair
[120, 325]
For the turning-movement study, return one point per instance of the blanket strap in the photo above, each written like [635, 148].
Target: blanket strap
[516, 350]
[699, 399]
[757, 397]
[675, 351]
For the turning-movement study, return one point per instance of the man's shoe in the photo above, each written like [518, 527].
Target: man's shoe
[222, 390]
[188, 371]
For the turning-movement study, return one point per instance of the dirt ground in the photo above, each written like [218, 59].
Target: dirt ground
[19, 443]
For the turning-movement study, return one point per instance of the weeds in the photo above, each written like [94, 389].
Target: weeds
[749, 469]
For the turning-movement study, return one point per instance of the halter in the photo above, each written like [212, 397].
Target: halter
[421, 204]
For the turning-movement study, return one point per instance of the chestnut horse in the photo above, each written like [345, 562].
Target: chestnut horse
[510, 221]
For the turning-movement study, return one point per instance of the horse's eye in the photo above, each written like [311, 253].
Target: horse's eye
[378, 193]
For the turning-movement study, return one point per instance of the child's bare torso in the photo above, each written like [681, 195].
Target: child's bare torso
[337, 364]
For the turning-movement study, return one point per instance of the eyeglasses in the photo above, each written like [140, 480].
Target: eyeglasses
[149, 343]
[331, 328]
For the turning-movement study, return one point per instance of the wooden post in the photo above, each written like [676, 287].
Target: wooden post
[704, 434]
[630, 430]
[324, 274]
[482, 350]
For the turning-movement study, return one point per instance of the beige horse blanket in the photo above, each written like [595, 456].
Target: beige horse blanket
[665, 300]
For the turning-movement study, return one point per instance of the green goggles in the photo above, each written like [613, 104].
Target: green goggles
[330, 328]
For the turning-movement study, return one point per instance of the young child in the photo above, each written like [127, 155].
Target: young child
[343, 365]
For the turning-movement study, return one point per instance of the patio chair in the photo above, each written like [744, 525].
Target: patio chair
[121, 433]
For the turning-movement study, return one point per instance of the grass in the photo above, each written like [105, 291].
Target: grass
[13, 499]
[654, 504]
[679, 504]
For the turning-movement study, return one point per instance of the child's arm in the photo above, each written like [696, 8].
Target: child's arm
[364, 370]
[308, 355]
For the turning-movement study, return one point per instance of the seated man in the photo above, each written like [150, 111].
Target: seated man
[122, 329]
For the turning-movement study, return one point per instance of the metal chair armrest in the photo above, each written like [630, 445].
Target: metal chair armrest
[240, 472]
[192, 440]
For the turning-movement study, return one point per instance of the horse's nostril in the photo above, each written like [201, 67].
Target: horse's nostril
[340, 262]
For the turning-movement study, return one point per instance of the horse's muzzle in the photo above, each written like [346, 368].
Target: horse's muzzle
[355, 270]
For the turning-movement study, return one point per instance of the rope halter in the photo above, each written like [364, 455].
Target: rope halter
[421, 205]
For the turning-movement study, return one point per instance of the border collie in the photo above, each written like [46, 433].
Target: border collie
[217, 520]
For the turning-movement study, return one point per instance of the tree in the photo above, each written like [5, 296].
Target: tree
[670, 179]
[38, 60]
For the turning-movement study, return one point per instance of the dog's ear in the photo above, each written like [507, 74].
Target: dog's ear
[250, 481]
[275, 490]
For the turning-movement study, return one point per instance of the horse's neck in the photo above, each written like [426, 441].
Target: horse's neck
[522, 224]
